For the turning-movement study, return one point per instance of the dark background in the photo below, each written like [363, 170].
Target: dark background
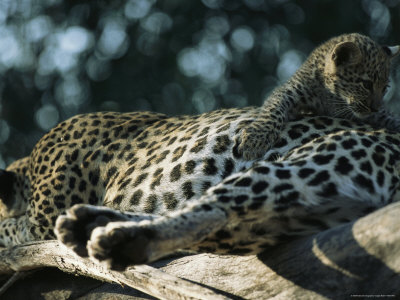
[60, 58]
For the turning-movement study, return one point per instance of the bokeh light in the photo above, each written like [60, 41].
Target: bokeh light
[60, 58]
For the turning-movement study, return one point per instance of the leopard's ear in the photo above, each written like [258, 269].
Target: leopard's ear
[342, 55]
[392, 51]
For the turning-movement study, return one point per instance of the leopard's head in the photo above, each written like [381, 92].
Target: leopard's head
[9, 207]
[356, 73]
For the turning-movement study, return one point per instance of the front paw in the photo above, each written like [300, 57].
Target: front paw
[120, 245]
[254, 144]
[75, 228]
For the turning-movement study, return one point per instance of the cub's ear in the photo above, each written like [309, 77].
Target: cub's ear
[346, 53]
[392, 51]
[343, 54]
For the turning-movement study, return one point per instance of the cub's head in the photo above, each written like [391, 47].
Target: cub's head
[356, 73]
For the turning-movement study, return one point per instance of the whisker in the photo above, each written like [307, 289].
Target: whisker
[344, 112]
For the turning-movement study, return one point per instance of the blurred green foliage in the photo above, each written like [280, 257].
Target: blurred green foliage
[60, 58]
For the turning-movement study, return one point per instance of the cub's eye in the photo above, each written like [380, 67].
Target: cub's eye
[385, 89]
[367, 84]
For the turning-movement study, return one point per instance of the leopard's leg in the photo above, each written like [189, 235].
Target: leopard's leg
[75, 228]
[255, 137]
[84, 225]
[289, 192]
[120, 244]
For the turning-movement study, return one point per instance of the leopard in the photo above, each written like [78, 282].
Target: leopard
[105, 169]
[347, 77]
[144, 162]
[198, 195]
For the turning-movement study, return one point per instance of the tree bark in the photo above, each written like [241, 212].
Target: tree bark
[358, 259]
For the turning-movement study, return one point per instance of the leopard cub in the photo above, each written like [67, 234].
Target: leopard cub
[345, 77]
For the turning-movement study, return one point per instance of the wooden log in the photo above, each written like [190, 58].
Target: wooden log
[144, 278]
[358, 259]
